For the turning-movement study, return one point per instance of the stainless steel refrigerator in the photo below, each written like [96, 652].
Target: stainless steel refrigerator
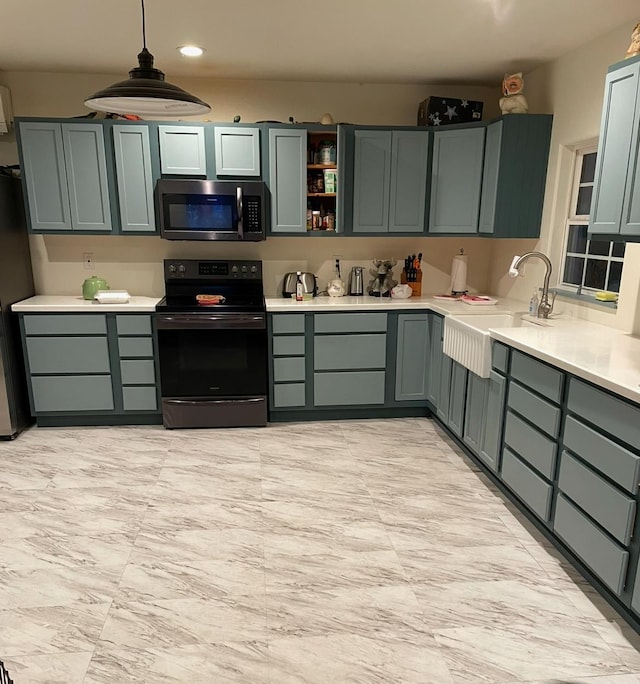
[16, 283]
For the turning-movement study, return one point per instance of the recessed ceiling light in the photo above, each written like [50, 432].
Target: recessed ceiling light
[190, 51]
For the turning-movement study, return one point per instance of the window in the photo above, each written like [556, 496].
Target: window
[589, 265]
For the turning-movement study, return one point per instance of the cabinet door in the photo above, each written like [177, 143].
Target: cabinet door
[490, 172]
[407, 197]
[287, 180]
[237, 151]
[435, 359]
[493, 419]
[412, 359]
[456, 178]
[45, 174]
[135, 178]
[182, 150]
[444, 388]
[617, 132]
[371, 181]
[86, 163]
[475, 412]
[457, 398]
[631, 207]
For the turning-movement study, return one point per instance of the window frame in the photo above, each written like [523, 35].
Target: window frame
[574, 219]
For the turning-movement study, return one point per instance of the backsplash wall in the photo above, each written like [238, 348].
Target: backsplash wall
[135, 263]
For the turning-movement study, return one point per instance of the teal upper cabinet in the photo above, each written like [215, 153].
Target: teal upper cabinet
[615, 207]
[287, 179]
[237, 151]
[389, 181]
[65, 174]
[182, 150]
[134, 176]
[456, 178]
[514, 175]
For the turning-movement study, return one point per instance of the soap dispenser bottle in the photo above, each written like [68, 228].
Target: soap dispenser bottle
[533, 304]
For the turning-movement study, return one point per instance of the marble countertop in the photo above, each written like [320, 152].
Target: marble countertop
[71, 304]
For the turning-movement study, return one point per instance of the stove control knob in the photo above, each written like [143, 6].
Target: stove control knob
[244, 269]
[234, 270]
[253, 269]
[181, 268]
[172, 268]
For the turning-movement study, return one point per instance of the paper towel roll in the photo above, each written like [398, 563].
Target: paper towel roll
[459, 274]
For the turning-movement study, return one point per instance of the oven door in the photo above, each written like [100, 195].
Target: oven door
[208, 356]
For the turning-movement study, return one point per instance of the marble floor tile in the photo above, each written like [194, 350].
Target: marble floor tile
[391, 610]
[224, 662]
[491, 604]
[183, 622]
[514, 653]
[59, 668]
[51, 629]
[354, 552]
[355, 658]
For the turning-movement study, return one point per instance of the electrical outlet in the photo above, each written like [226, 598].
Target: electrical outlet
[337, 262]
[87, 260]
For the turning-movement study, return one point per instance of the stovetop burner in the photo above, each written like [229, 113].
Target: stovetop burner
[237, 283]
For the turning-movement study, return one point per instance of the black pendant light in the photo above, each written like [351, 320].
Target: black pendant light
[146, 92]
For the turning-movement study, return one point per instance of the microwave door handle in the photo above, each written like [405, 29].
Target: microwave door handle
[239, 209]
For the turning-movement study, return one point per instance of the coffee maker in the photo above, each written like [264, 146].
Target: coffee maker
[356, 281]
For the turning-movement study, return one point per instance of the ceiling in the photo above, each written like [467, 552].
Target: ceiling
[366, 41]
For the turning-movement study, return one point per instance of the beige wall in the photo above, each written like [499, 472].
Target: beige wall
[572, 88]
[135, 263]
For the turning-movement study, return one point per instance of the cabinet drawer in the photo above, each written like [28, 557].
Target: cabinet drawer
[346, 352]
[292, 394]
[68, 355]
[77, 393]
[286, 370]
[600, 553]
[139, 398]
[287, 323]
[500, 357]
[538, 376]
[345, 389]
[65, 324]
[350, 322]
[609, 458]
[531, 488]
[531, 445]
[138, 372]
[135, 346]
[613, 415]
[288, 346]
[541, 413]
[602, 501]
[134, 325]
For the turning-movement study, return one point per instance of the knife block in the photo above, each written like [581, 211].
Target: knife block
[416, 285]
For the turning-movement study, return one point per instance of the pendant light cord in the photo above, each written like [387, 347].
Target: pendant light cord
[144, 28]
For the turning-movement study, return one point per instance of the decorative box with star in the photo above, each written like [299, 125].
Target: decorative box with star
[440, 111]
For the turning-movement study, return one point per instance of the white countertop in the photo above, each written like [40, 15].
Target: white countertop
[70, 304]
[368, 303]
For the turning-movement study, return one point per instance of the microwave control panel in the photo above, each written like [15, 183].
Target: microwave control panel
[212, 270]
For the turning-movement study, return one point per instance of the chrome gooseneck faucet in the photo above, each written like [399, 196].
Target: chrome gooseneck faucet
[544, 307]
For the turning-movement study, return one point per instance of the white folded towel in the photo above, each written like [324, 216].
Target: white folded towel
[112, 296]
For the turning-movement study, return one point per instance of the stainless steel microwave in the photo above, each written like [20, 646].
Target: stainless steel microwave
[193, 209]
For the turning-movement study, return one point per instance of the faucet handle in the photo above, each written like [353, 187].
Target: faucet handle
[545, 307]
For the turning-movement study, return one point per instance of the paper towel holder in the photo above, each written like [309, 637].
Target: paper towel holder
[454, 276]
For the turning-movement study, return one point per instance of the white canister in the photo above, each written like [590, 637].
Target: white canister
[336, 288]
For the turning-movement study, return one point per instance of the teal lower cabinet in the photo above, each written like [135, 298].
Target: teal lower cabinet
[457, 398]
[91, 368]
[569, 453]
[348, 364]
[483, 419]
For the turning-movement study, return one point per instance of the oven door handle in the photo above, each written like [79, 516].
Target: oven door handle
[211, 322]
